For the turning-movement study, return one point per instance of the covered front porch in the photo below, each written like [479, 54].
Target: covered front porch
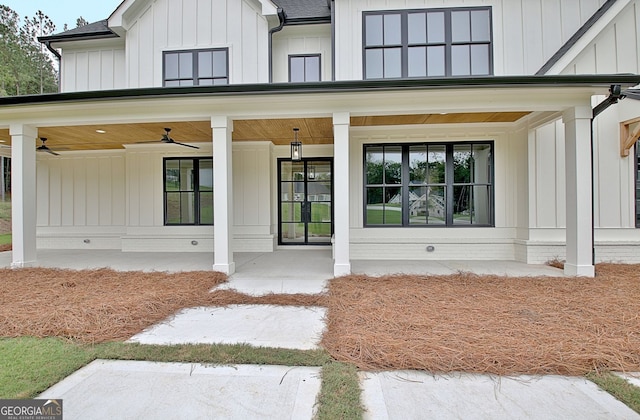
[110, 195]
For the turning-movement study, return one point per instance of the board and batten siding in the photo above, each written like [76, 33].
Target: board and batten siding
[614, 50]
[296, 40]
[100, 68]
[526, 33]
[169, 25]
[81, 196]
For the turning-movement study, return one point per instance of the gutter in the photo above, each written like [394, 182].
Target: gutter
[59, 57]
[443, 84]
[281, 18]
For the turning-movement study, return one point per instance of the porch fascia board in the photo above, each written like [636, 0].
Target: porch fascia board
[597, 82]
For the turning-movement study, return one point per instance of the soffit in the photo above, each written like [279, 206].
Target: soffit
[278, 131]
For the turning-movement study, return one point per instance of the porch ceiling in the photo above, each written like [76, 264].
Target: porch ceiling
[279, 131]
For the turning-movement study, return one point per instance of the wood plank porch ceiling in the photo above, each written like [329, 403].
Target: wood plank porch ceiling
[279, 131]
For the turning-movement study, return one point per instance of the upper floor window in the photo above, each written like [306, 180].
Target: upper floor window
[304, 68]
[428, 184]
[196, 67]
[427, 43]
[188, 191]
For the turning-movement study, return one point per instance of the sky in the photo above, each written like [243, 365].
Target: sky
[64, 11]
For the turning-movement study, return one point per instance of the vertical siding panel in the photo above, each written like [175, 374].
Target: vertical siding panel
[69, 72]
[120, 72]
[551, 28]
[218, 21]
[146, 51]
[546, 176]
[146, 178]
[158, 190]
[107, 69]
[79, 192]
[626, 42]
[513, 52]
[239, 175]
[105, 191]
[204, 23]
[264, 182]
[174, 30]
[133, 178]
[560, 177]
[42, 193]
[133, 57]
[118, 196]
[190, 26]
[93, 192]
[571, 20]
[55, 206]
[605, 51]
[234, 39]
[94, 71]
[66, 186]
[532, 18]
[82, 70]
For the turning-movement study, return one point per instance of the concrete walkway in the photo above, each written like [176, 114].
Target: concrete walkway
[132, 390]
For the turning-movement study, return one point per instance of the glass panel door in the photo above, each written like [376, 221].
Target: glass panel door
[306, 197]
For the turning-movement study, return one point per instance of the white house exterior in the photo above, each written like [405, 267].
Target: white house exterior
[430, 129]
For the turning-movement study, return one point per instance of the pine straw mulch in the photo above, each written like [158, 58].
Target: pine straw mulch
[488, 324]
[5, 247]
[463, 322]
[95, 305]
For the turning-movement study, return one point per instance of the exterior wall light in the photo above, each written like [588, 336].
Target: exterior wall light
[296, 146]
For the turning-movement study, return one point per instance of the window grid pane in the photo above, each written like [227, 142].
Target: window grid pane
[424, 196]
[198, 67]
[188, 191]
[395, 43]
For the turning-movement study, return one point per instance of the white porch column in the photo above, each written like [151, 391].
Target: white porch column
[341, 262]
[23, 194]
[577, 128]
[223, 195]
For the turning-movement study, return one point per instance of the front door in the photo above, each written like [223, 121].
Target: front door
[305, 191]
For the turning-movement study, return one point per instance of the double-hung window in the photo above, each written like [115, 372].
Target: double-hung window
[429, 184]
[427, 43]
[304, 68]
[196, 67]
[188, 191]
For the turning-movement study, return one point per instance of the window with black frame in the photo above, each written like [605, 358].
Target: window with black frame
[196, 67]
[429, 184]
[188, 191]
[304, 68]
[427, 43]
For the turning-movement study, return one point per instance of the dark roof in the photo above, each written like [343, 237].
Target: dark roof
[575, 37]
[632, 94]
[305, 11]
[93, 30]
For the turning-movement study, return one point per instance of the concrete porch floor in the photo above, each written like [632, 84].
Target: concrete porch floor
[297, 264]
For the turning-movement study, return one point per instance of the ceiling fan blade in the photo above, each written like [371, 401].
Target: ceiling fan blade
[52, 152]
[185, 145]
[150, 141]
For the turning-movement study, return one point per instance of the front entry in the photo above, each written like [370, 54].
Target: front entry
[305, 195]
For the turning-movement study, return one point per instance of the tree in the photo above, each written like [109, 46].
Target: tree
[25, 67]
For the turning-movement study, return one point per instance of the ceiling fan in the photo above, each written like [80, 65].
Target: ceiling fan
[44, 148]
[166, 138]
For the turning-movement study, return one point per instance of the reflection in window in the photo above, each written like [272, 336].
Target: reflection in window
[427, 43]
[188, 191]
[196, 67]
[429, 184]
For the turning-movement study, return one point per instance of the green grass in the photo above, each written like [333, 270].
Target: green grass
[340, 394]
[618, 387]
[5, 239]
